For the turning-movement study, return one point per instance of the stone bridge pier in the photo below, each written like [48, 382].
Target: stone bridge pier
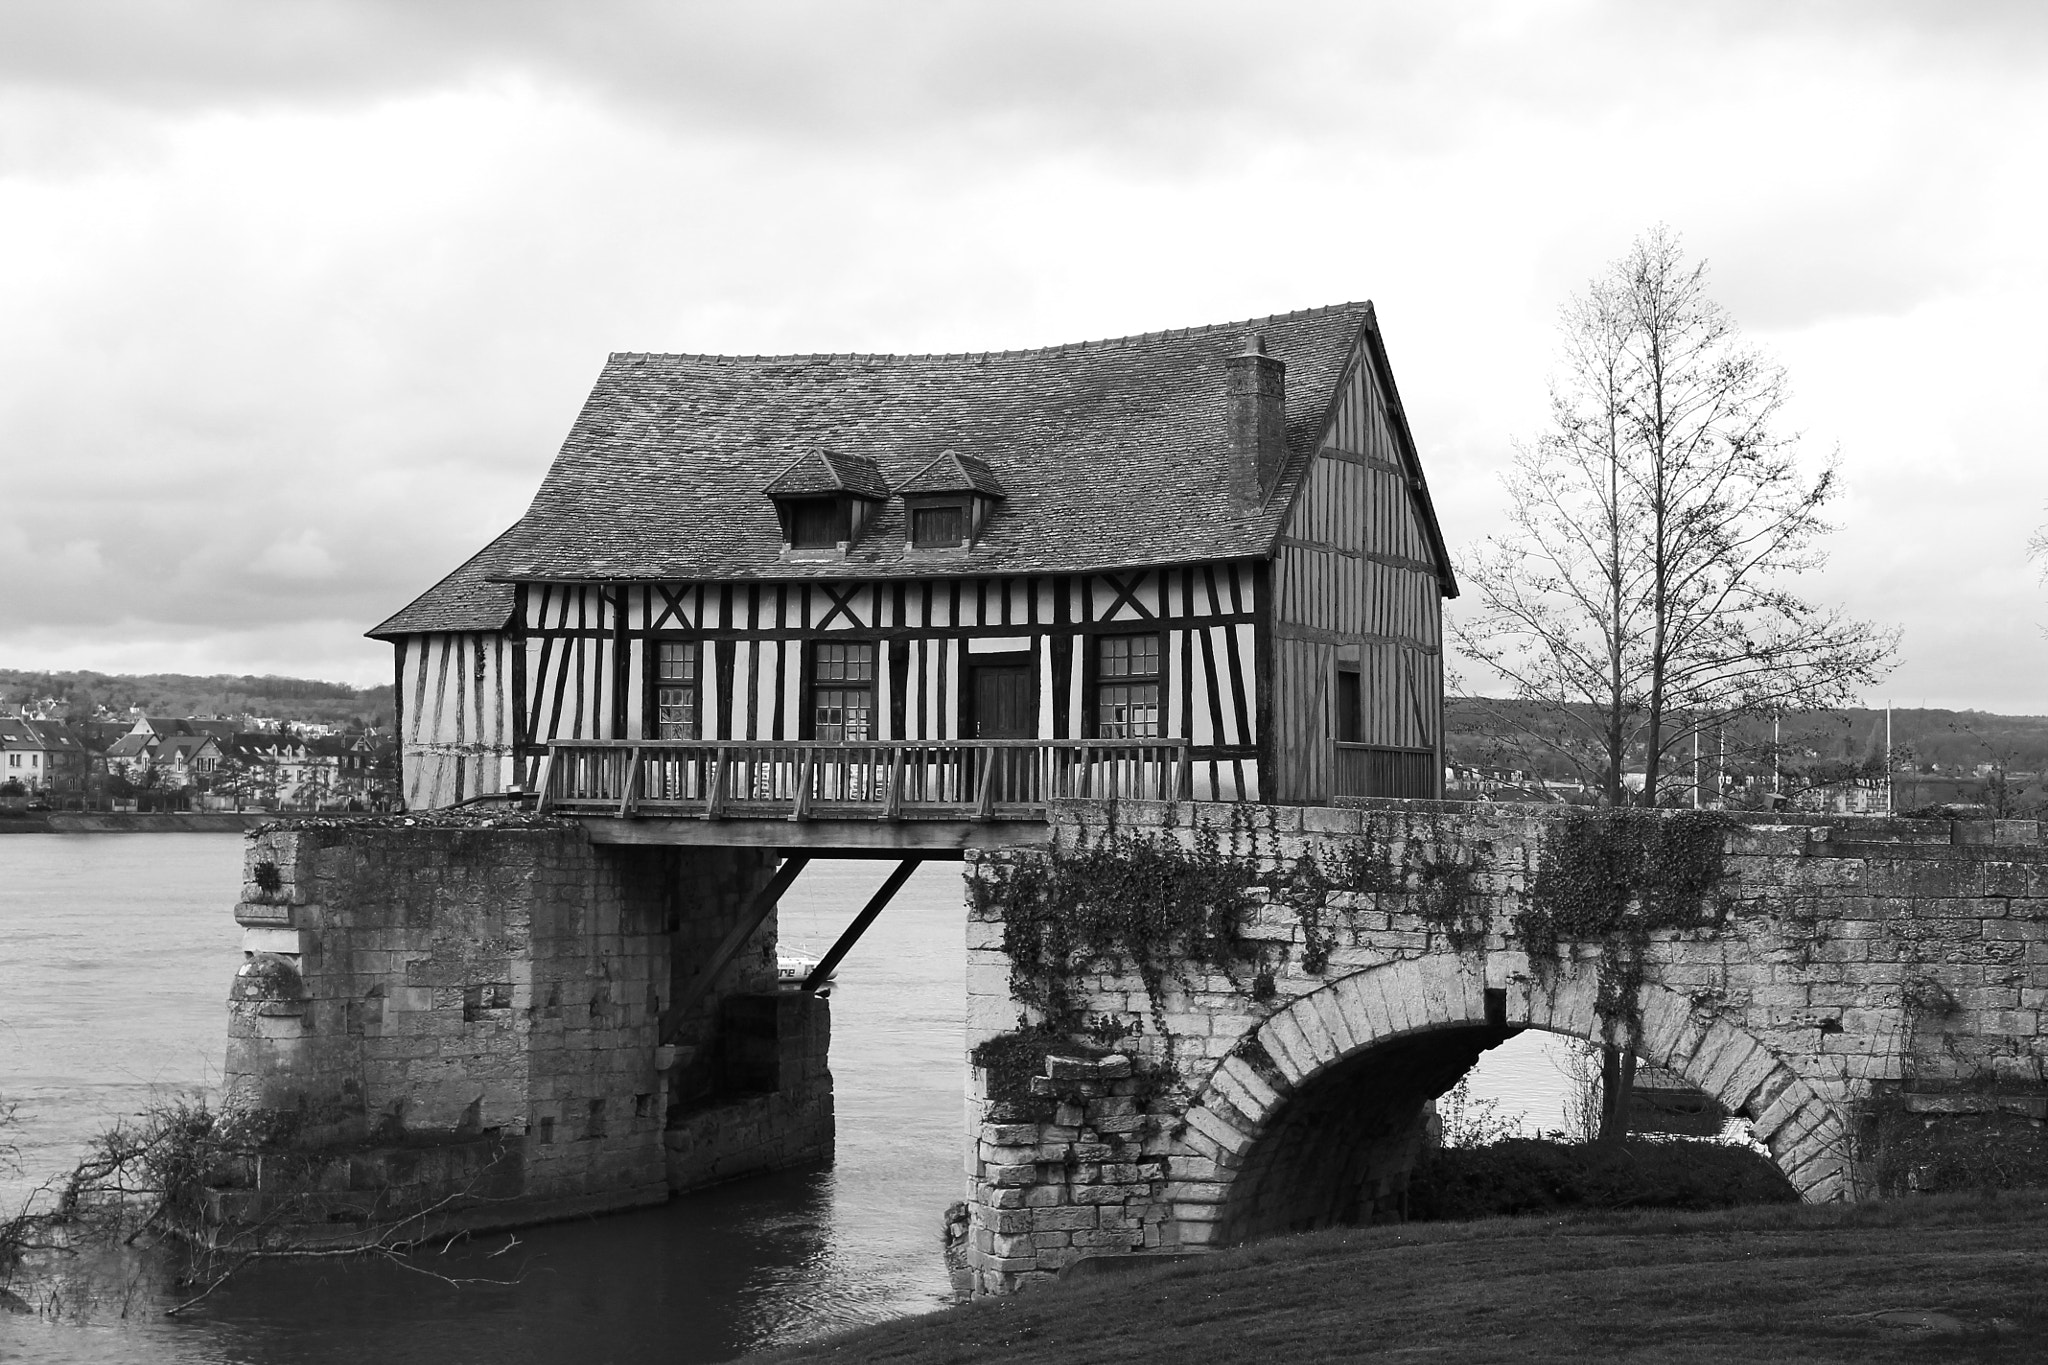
[491, 1020]
[1825, 975]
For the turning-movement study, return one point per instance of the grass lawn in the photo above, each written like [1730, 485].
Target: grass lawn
[1943, 1278]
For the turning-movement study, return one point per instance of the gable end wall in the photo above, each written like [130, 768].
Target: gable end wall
[1355, 585]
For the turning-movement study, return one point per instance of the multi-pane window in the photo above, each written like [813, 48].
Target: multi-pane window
[1127, 686]
[675, 690]
[842, 692]
[932, 527]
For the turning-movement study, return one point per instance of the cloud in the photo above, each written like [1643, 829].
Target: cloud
[300, 559]
[302, 298]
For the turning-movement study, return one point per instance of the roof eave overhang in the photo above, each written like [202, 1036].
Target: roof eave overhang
[1418, 486]
[883, 571]
[1375, 353]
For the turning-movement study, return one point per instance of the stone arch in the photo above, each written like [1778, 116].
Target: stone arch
[1328, 1035]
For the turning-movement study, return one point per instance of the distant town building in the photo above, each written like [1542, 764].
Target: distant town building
[43, 758]
[145, 762]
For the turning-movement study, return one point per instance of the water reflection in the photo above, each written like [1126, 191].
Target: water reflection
[87, 930]
[701, 1279]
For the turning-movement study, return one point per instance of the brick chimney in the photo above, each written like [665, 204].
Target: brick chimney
[1256, 385]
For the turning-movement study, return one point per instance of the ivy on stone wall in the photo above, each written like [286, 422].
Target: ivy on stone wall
[1451, 900]
[1139, 902]
[1612, 878]
[1013, 1059]
[1623, 871]
[1362, 865]
[1154, 905]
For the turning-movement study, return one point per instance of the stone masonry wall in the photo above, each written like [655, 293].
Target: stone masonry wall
[745, 1132]
[418, 986]
[1860, 958]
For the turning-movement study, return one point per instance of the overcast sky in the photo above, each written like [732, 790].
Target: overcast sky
[297, 300]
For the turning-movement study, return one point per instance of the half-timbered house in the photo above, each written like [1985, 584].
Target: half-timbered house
[1199, 562]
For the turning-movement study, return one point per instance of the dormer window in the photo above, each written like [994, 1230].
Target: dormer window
[948, 503]
[824, 501]
[819, 523]
[938, 526]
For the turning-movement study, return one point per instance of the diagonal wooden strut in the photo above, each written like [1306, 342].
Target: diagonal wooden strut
[821, 973]
[756, 913]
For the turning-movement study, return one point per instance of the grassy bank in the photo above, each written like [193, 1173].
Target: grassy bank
[1944, 1278]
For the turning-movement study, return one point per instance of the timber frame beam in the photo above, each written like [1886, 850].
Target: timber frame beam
[822, 973]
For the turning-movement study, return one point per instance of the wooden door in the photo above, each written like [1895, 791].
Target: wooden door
[1002, 702]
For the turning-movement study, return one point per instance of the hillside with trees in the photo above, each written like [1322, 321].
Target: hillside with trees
[181, 694]
[1497, 733]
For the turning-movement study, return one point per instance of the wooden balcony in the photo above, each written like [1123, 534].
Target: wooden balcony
[1377, 770]
[951, 780]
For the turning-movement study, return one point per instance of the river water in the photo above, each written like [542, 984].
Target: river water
[115, 955]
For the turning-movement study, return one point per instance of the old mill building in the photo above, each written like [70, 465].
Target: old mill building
[1197, 563]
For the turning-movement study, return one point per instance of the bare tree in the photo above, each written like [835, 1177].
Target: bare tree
[1642, 599]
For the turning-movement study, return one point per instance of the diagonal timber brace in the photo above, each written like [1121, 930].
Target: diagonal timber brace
[756, 913]
[822, 973]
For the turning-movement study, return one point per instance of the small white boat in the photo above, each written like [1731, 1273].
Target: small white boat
[793, 969]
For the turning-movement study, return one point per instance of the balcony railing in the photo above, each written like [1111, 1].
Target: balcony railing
[907, 780]
[1377, 770]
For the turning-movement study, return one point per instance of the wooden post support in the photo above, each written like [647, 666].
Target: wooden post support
[751, 918]
[802, 809]
[985, 797]
[714, 798]
[892, 805]
[822, 973]
[545, 784]
[1184, 779]
[631, 786]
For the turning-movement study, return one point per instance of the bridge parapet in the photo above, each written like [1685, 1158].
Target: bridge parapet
[1811, 974]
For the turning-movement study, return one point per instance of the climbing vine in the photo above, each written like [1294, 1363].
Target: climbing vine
[1451, 900]
[1013, 1059]
[1141, 902]
[1612, 878]
[1166, 904]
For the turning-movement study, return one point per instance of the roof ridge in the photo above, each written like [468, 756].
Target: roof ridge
[1098, 343]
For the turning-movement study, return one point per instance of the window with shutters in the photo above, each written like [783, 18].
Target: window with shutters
[938, 527]
[819, 523]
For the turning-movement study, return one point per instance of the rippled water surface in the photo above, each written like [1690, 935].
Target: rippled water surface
[115, 956]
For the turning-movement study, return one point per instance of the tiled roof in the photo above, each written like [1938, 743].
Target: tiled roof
[1112, 453]
[466, 599]
[17, 733]
[268, 746]
[953, 472]
[826, 471]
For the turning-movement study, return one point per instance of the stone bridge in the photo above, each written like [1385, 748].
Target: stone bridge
[477, 1019]
[1811, 974]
